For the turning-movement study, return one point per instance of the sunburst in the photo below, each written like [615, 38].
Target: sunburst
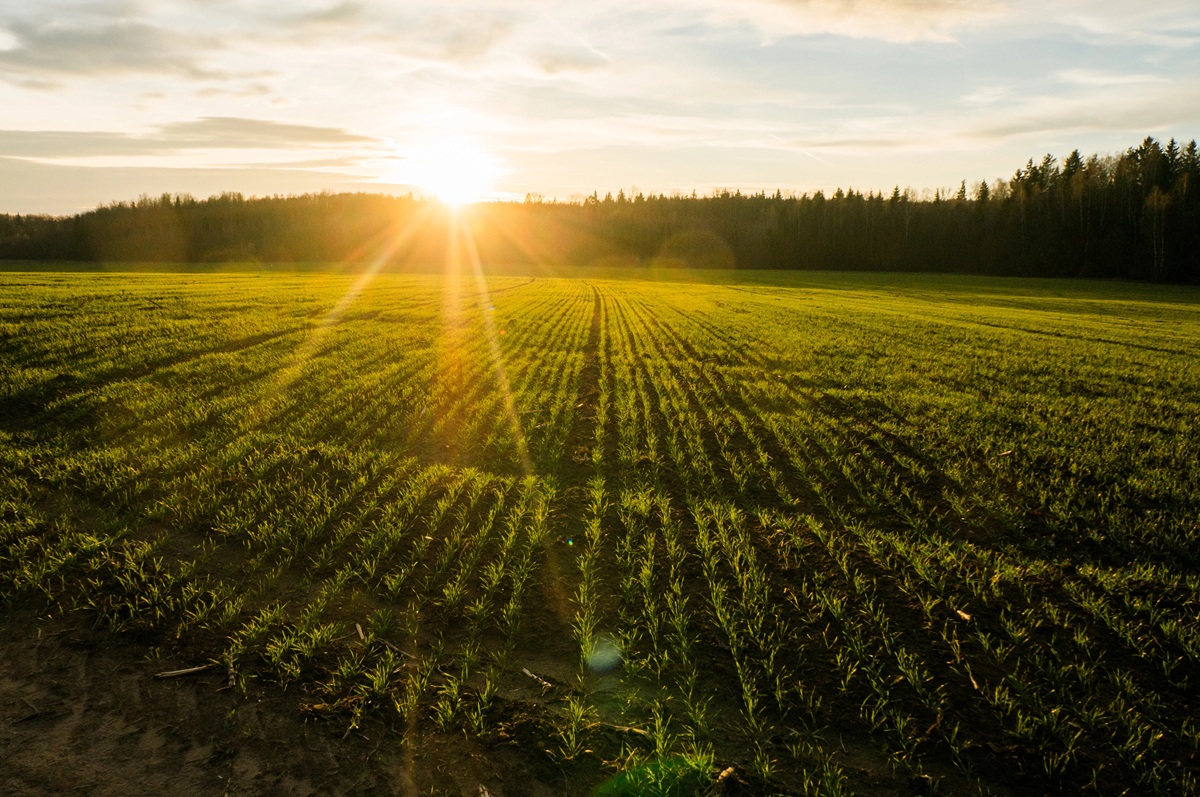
[455, 171]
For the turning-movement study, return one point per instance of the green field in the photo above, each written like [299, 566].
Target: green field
[844, 534]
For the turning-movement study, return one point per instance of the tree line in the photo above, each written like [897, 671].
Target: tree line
[1135, 215]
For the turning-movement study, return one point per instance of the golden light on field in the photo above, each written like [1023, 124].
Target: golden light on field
[456, 171]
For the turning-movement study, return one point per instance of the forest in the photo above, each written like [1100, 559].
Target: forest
[1135, 215]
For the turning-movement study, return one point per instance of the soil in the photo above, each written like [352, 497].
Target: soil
[81, 712]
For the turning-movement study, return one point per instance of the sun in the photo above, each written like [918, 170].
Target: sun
[457, 172]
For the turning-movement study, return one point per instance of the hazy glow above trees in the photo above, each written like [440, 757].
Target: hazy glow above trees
[454, 170]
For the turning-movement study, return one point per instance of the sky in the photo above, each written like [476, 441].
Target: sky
[108, 100]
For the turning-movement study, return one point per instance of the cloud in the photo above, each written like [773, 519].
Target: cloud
[1090, 77]
[43, 55]
[853, 144]
[336, 15]
[1073, 108]
[233, 132]
[457, 37]
[1169, 24]
[210, 133]
[987, 95]
[1131, 108]
[446, 32]
[886, 20]
[252, 89]
[564, 59]
[62, 144]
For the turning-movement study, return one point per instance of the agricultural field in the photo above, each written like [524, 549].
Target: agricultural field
[691, 533]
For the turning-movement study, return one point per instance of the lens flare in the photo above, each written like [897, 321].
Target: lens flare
[604, 654]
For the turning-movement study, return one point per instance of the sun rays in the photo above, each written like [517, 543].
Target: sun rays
[467, 321]
[386, 247]
[463, 256]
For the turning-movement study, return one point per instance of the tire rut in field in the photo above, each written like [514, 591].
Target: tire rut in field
[654, 414]
[574, 466]
[494, 291]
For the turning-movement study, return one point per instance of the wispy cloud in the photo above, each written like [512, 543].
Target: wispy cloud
[987, 95]
[212, 133]
[556, 59]
[885, 20]
[1132, 108]
[47, 54]
[444, 32]
[1091, 77]
[252, 133]
[1161, 23]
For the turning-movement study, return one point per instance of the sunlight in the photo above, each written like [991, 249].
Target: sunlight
[375, 254]
[463, 260]
[455, 171]
[463, 256]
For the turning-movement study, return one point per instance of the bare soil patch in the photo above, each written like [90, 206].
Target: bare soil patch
[81, 712]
